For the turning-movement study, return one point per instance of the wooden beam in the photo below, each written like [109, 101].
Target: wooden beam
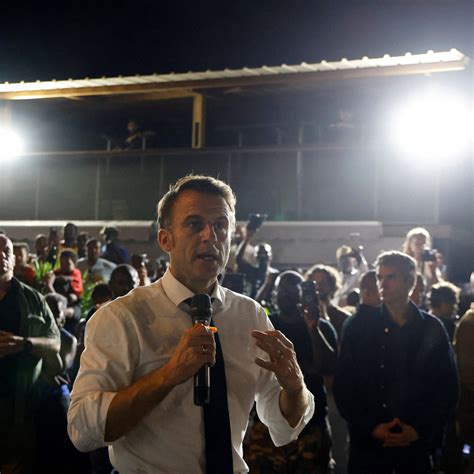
[199, 121]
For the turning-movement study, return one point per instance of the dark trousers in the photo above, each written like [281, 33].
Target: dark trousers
[410, 460]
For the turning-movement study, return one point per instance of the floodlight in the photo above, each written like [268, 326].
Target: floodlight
[433, 127]
[10, 144]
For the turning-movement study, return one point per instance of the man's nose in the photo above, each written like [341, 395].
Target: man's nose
[208, 232]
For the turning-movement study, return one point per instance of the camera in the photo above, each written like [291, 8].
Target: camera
[429, 255]
[309, 296]
[255, 221]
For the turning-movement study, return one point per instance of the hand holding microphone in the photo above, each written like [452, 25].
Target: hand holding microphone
[201, 313]
[195, 352]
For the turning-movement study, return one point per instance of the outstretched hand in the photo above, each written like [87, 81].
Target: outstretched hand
[282, 361]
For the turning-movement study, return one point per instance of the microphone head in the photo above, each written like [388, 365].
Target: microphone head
[201, 309]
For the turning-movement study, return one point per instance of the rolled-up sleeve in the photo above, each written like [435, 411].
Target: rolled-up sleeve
[106, 367]
[268, 404]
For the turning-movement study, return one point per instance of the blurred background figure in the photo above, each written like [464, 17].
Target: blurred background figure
[352, 265]
[140, 262]
[418, 293]
[464, 346]
[369, 292]
[41, 264]
[418, 244]
[124, 278]
[82, 239]
[239, 235]
[112, 249]
[444, 301]
[23, 270]
[92, 267]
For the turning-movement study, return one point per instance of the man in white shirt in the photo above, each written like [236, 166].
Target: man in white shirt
[93, 268]
[134, 390]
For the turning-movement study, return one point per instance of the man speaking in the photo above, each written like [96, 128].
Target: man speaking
[134, 390]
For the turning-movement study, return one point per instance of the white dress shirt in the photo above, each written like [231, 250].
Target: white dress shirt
[136, 334]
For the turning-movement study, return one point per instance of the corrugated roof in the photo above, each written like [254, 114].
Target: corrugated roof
[406, 64]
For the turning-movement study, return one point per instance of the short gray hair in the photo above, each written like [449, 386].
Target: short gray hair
[401, 261]
[200, 183]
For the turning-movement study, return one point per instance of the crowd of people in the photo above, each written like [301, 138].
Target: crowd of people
[381, 348]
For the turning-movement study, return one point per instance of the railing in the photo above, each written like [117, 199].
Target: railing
[287, 182]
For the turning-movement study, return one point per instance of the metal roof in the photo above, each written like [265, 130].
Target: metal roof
[187, 84]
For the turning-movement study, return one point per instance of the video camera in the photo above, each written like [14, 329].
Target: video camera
[255, 221]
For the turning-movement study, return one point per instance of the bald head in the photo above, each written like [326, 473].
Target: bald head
[7, 259]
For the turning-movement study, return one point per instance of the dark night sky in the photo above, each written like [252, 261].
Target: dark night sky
[140, 37]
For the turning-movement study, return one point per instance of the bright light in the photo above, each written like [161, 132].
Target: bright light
[10, 144]
[433, 127]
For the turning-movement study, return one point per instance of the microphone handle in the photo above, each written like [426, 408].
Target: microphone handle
[202, 386]
[202, 380]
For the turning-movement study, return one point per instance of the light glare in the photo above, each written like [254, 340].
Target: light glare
[433, 127]
[10, 144]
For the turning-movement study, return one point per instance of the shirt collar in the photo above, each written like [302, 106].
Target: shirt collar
[416, 315]
[177, 292]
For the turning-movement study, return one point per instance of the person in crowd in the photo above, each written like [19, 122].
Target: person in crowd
[29, 343]
[369, 292]
[396, 381]
[67, 281]
[418, 294]
[418, 244]
[95, 269]
[261, 276]
[82, 239]
[328, 282]
[139, 262]
[54, 246]
[23, 271]
[238, 236]
[135, 136]
[464, 346]
[162, 265]
[441, 265]
[69, 275]
[352, 265]
[135, 384]
[41, 264]
[112, 249]
[54, 398]
[444, 301]
[124, 279]
[70, 232]
[315, 343]
[101, 294]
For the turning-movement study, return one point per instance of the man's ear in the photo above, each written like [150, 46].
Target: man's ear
[165, 240]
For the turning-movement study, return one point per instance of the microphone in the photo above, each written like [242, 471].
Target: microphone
[201, 312]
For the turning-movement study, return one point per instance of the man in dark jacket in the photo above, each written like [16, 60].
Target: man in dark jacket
[396, 381]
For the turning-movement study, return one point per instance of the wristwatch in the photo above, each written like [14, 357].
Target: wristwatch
[27, 345]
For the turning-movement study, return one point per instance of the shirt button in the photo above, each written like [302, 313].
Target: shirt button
[382, 386]
[386, 330]
[382, 366]
[384, 405]
[382, 347]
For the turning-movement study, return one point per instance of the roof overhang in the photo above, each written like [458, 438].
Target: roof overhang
[172, 86]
